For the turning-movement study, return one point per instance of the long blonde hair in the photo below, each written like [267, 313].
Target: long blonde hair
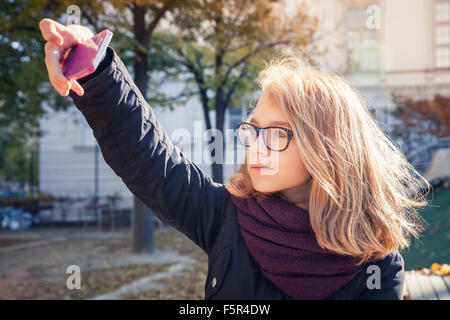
[364, 194]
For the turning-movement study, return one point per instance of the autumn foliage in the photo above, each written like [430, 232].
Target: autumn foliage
[425, 116]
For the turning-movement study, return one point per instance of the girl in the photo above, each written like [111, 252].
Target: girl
[318, 210]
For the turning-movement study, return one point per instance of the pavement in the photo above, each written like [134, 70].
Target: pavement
[34, 262]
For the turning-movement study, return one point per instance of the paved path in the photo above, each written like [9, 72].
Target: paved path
[426, 287]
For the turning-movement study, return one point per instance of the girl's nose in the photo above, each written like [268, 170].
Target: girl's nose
[258, 148]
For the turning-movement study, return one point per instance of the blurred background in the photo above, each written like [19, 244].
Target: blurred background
[196, 63]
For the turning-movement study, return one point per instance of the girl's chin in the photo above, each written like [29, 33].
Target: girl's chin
[263, 187]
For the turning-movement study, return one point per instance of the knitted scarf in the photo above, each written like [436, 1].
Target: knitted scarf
[280, 238]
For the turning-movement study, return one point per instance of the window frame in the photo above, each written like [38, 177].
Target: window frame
[438, 46]
[363, 35]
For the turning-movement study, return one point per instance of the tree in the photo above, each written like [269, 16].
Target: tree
[219, 46]
[25, 88]
[421, 123]
[425, 115]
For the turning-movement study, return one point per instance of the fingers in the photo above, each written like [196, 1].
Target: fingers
[59, 82]
[74, 86]
[55, 74]
[77, 88]
[52, 31]
[55, 33]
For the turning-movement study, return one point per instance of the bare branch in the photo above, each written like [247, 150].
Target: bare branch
[167, 6]
[233, 88]
[174, 98]
[247, 56]
[199, 78]
[90, 20]
[130, 6]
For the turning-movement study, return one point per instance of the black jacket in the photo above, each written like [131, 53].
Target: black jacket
[137, 148]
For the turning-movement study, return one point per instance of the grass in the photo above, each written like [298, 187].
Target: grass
[433, 244]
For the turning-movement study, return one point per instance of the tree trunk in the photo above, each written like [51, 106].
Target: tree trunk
[142, 228]
[143, 216]
[217, 166]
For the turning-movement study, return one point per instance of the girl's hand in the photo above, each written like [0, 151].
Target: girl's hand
[60, 38]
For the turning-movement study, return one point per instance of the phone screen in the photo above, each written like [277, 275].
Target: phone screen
[85, 57]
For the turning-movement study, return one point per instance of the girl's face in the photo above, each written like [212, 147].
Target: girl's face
[283, 171]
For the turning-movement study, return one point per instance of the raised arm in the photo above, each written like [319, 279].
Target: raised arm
[137, 148]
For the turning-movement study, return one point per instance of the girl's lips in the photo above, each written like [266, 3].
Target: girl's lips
[262, 170]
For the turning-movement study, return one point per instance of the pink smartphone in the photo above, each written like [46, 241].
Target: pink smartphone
[82, 59]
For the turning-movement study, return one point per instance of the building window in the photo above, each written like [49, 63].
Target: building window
[361, 42]
[442, 57]
[442, 11]
[442, 33]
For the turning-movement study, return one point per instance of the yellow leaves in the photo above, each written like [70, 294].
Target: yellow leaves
[443, 269]
[436, 269]
[435, 266]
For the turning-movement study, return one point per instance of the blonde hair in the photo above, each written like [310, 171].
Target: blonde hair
[364, 192]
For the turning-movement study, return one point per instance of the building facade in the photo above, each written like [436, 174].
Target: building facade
[387, 46]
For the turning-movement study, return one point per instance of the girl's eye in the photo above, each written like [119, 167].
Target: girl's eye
[280, 133]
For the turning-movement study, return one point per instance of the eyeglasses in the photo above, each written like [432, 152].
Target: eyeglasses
[275, 138]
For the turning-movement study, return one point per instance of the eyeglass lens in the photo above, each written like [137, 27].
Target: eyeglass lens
[274, 138]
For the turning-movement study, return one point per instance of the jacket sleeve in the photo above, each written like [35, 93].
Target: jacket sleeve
[392, 278]
[137, 148]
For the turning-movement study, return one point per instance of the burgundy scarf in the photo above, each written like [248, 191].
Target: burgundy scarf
[279, 237]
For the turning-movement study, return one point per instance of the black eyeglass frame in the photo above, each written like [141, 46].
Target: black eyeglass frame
[289, 132]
